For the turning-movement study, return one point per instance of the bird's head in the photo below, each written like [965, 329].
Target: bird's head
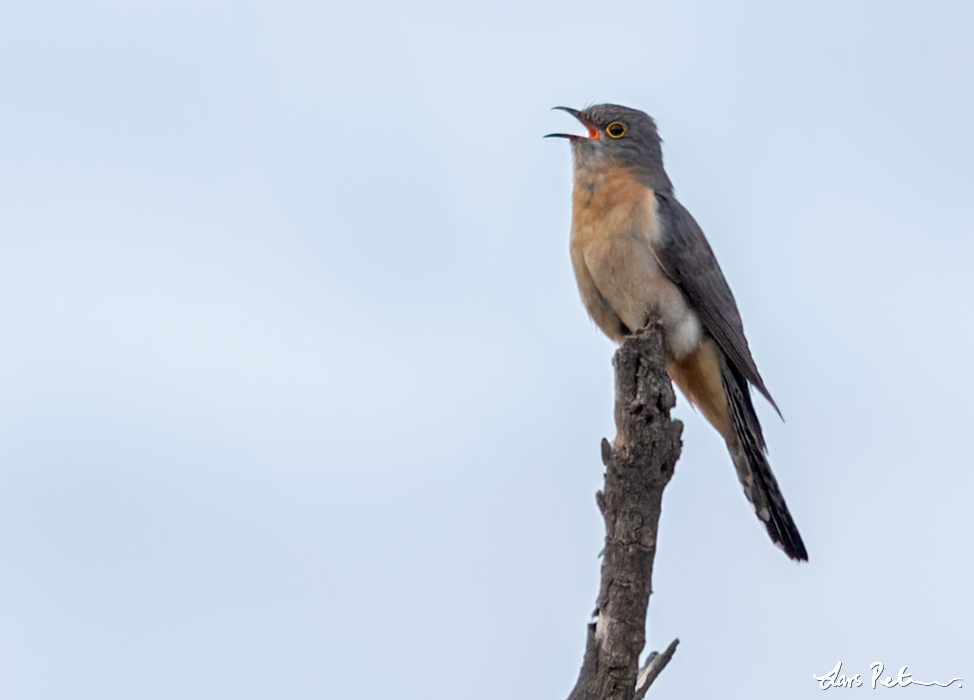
[618, 136]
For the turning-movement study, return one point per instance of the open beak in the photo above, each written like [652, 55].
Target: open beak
[592, 131]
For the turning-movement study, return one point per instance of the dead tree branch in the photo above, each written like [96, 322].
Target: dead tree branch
[655, 663]
[639, 464]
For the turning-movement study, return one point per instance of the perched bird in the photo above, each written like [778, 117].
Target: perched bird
[638, 254]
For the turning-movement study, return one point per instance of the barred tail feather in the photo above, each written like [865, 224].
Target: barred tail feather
[747, 450]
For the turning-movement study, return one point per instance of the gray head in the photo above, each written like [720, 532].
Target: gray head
[619, 136]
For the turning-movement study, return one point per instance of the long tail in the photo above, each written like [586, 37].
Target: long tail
[748, 452]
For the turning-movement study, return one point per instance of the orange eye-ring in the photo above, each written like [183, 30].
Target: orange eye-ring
[616, 130]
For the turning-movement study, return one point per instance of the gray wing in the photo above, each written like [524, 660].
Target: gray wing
[687, 259]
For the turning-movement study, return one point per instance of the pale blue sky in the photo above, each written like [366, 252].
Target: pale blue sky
[298, 399]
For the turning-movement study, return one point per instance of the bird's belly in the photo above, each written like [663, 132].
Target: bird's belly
[616, 250]
[637, 289]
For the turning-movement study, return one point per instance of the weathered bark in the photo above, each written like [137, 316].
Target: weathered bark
[639, 464]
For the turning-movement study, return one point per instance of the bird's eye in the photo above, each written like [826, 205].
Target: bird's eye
[616, 130]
